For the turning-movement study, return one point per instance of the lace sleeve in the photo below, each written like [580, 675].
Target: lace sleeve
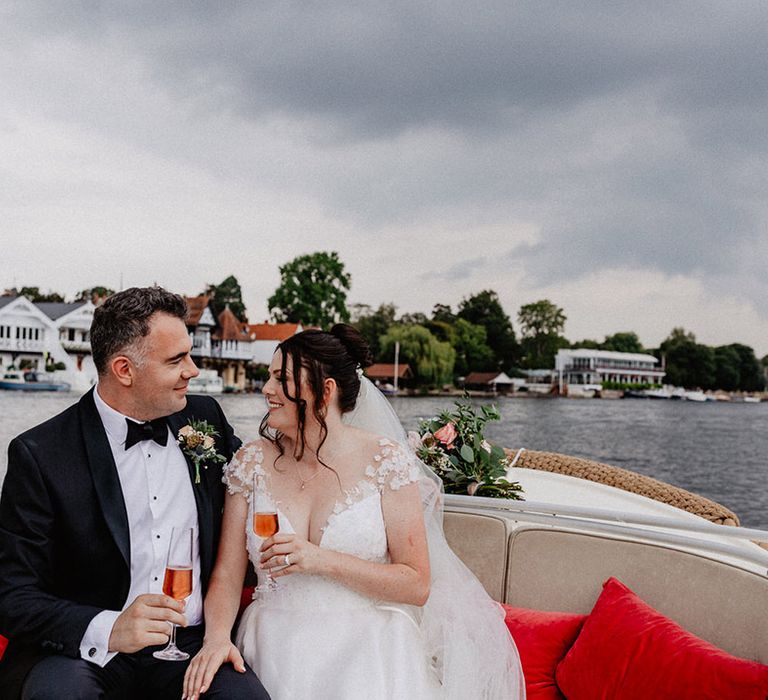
[238, 474]
[396, 467]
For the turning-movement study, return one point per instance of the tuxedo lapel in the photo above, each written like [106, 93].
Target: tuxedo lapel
[202, 500]
[104, 474]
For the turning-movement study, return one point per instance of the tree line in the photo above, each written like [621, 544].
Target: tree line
[478, 336]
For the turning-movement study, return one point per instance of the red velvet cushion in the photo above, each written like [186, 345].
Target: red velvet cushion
[628, 650]
[3, 644]
[543, 639]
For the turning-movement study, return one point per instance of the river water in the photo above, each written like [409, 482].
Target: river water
[716, 449]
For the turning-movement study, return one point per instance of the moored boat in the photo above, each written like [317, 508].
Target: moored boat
[207, 382]
[16, 380]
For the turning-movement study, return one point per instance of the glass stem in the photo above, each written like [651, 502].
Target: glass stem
[172, 642]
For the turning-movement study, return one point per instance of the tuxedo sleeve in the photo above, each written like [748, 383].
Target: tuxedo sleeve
[29, 613]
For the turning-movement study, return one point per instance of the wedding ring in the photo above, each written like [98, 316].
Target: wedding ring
[287, 559]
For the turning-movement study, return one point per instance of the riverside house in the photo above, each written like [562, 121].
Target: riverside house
[48, 333]
[221, 343]
[583, 369]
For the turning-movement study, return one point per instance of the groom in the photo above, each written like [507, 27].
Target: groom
[86, 513]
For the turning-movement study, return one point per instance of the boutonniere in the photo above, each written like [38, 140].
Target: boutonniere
[196, 440]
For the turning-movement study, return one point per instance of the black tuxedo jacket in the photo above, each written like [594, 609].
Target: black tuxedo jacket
[64, 540]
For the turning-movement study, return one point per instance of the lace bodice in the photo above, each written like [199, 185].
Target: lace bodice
[355, 524]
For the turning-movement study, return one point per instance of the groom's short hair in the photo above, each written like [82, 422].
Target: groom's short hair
[123, 319]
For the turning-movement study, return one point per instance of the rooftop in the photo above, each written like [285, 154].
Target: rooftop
[273, 331]
[56, 309]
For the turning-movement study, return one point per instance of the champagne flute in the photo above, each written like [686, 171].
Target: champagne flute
[177, 583]
[265, 524]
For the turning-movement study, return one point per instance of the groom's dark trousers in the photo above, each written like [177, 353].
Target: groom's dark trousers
[65, 557]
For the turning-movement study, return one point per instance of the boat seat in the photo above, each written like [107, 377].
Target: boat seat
[480, 541]
[560, 569]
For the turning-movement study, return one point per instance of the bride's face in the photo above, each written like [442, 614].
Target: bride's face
[283, 413]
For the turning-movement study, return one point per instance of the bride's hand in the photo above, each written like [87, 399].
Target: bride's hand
[206, 662]
[293, 554]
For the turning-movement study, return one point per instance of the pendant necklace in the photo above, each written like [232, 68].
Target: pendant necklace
[303, 482]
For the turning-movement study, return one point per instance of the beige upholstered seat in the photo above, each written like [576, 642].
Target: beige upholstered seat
[557, 569]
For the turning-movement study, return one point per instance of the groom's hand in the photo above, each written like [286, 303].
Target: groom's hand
[146, 622]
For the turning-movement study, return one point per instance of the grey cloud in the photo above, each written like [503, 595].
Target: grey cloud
[632, 132]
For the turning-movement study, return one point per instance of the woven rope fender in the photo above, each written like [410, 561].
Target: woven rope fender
[627, 481]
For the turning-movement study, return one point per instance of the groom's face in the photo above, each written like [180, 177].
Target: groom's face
[160, 383]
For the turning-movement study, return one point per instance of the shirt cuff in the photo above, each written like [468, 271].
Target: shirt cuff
[94, 646]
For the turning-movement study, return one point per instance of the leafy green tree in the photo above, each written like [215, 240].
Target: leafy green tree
[623, 342]
[227, 293]
[35, 295]
[688, 363]
[373, 325]
[313, 291]
[471, 347]
[431, 360]
[484, 309]
[541, 326]
[96, 295]
[443, 312]
[750, 374]
[415, 319]
[587, 343]
[727, 368]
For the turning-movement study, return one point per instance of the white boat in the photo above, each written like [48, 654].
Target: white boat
[207, 382]
[18, 380]
[556, 550]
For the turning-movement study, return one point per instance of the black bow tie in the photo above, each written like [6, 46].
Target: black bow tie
[156, 430]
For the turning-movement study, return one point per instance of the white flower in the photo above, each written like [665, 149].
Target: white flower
[486, 446]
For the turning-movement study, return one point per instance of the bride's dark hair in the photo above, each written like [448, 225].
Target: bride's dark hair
[318, 355]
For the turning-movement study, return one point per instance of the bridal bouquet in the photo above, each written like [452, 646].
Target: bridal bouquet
[453, 446]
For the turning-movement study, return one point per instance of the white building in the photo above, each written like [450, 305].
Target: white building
[267, 336]
[47, 333]
[585, 367]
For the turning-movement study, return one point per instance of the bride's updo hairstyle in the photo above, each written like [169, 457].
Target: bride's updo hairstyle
[316, 356]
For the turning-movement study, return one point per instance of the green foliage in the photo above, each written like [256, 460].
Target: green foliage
[313, 291]
[688, 364]
[727, 364]
[431, 360]
[35, 295]
[541, 326]
[750, 374]
[95, 295]
[373, 325]
[227, 293]
[471, 347]
[484, 309]
[623, 342]
[453, 446]
[587, 343]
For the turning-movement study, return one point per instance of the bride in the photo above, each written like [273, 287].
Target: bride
[370, 601]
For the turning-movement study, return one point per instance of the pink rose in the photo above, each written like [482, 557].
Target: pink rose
[447, 434]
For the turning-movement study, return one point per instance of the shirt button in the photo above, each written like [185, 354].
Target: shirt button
[155, 578]
[92, 652]
[154, 498]
[158, 536]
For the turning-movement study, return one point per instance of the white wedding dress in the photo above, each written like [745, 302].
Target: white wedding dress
[316, 639]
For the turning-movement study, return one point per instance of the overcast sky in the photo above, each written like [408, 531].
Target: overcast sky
[608, 156]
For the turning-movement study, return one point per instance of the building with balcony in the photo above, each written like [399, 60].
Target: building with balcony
[38, 335]
[584, 367]
[73, 321]
[200, 324]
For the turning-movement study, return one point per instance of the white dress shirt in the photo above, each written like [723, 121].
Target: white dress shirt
[158, 496]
